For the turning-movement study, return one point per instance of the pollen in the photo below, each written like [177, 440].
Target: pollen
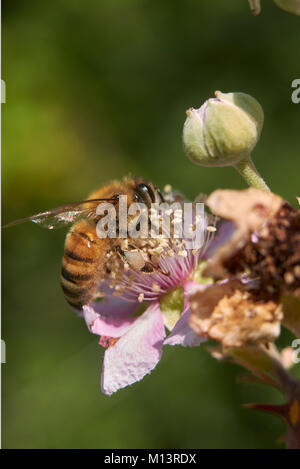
[176, 221]
[112, 341]
[155, 287]
[178, 213]
[289, 278]
[211, 229]
[141, 297]
[297, 271]
[169, 212]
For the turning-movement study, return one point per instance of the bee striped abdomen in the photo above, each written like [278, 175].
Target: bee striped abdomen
[80, 265]
[75, 257]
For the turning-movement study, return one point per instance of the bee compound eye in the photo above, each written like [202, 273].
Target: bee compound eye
[145, 193]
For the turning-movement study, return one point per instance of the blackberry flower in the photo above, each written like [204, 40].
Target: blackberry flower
[139, 313]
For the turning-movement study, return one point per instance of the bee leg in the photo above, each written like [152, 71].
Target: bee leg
[120, 253]
[167, 274]
[150, 268]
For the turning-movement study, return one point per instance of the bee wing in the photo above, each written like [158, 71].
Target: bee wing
[64, 215]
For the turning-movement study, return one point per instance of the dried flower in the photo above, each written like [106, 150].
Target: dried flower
[266, 243]
[231, 314]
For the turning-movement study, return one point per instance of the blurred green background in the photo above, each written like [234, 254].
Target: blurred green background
[97, 90]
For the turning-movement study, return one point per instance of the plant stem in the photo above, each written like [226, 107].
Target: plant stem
[249, 172]
[255, 6]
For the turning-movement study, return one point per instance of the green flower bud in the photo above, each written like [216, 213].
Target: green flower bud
[292, 6]
[224, 130]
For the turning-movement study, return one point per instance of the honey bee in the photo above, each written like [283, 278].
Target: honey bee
[86, 255]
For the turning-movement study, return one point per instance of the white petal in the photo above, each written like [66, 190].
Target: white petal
[182, 334]
[136, 353]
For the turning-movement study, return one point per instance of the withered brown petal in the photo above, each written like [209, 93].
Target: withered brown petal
[231, 315]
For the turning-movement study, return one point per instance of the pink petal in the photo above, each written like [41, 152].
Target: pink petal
[113, 318]
[182, 334]
[190, 287]
[113, 305]
[223, 234]
[136, 353]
